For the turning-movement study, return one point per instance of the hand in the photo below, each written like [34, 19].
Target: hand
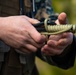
[57, 43]
[18, 32]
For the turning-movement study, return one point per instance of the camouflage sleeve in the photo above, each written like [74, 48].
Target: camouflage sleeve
[65, 60]
[43, 9]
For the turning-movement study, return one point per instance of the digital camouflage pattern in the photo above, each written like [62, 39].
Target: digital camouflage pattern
[43, 8]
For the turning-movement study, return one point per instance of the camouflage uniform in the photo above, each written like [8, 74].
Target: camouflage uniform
[14, 62]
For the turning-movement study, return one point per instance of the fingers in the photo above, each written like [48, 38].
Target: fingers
[57, 43]
[66, 39]
[64, 42]
[31, 41]
[55, 37]
[35, 39]
[37, 36]
[63, 39]
[55, 47]
[50, 50]
[30, 48]
[33, 32]
[62, 18]
[29, 45]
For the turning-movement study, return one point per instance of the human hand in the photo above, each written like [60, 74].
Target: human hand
[57, 43]
[18, 32]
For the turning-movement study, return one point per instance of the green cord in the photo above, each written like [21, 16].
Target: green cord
[57, 29]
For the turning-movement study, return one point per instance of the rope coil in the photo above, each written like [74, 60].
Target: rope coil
[57, 29]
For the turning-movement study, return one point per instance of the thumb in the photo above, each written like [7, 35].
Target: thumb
[62, 18]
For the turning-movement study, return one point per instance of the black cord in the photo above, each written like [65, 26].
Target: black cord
[21, 7]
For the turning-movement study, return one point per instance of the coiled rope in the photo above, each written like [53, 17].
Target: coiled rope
[57, 29]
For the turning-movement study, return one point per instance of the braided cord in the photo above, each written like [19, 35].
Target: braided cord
[57, 29]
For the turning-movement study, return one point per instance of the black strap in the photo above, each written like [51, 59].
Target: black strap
[21, 7]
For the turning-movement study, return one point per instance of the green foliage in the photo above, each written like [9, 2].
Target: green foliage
[68, 6]
[46, 69]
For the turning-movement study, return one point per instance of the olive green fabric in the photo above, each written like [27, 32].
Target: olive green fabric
[9, 7]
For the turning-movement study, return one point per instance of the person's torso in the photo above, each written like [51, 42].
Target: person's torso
[13, 8]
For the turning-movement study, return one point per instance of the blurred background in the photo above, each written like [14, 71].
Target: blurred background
[68, 6]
